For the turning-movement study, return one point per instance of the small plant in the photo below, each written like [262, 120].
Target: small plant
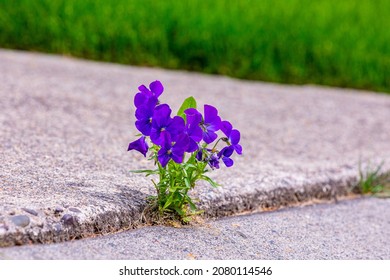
[374, 181]
[183, 148]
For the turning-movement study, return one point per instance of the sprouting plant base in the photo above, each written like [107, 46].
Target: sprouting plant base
[154, 215]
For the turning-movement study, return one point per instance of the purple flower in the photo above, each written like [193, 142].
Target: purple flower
[172, 150]
[225, 154]
[199, 155]
[139, 145]
[156, 89]
[211, 157]
[213, 161]
[210, 124]
[162, 121]
[193, 129]
[144, 114]
[233, 136]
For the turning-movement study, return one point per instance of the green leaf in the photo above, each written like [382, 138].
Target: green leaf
[179, 211]
[145, 171]
[189, 165]
[187, 182]
[190, 102]
[172, 188]
[168, 202]
[192, 206]
[210, 181]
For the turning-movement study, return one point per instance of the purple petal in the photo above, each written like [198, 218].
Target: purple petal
[167, 140]
[157, 88]
[195, 132]
[238, 149]
[226, 128]
[209, 136]
[181, 144]
[213, 161]
[146, 109]
[234, 137]
[193, 116]
[176, 127]
[192, 146]
[143, 113]
[161, 116]
[144, 89]
[191, 111]
[139, 145]
[163, 157]
[179, 148]
[178, 158]
[151, 102]
[215, 125]
[161, 138]
[226, 152]
[211, 118]
[199, 155]
[155, 136]
[210, 113]
[140, 99]
[144, 126]
[227, 161]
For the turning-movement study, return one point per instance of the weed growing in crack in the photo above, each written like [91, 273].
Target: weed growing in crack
[374, 182]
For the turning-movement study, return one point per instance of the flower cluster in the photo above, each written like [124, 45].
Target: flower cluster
[171, 138]
[176, 135]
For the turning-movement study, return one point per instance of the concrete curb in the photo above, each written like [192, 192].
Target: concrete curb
[75, 224]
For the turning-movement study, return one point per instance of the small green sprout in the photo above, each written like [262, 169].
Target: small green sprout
[374, 182]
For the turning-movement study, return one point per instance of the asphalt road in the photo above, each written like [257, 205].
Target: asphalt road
[350, 229]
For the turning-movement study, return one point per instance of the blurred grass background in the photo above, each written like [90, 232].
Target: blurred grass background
[338, 43]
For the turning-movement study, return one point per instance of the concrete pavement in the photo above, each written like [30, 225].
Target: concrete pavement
[65, 125]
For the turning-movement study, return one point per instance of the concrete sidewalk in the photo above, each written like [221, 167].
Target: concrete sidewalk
[65, 125]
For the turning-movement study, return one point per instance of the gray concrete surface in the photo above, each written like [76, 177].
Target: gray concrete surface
[354, 229]
[65, 125]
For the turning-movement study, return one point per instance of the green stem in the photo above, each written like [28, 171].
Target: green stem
[222, 138]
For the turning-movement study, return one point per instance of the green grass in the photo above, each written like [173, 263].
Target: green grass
[339, 43]
[374, 182]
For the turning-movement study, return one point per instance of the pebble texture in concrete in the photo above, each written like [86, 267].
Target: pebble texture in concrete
[355, 229]
[65, 125]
